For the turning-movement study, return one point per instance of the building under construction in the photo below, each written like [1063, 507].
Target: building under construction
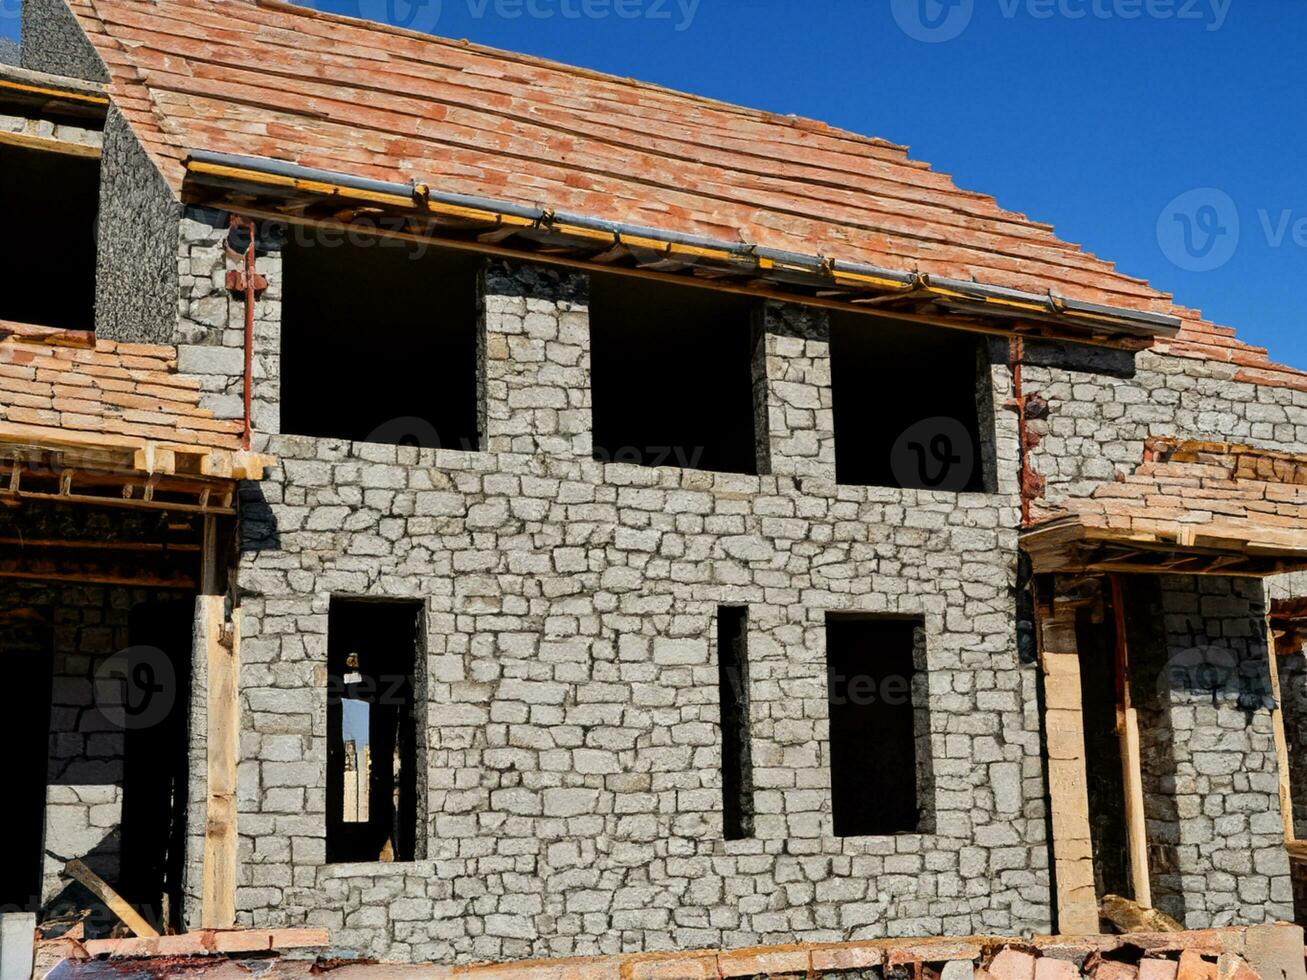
[490, 510]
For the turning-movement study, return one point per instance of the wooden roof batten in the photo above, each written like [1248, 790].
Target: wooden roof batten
[272, 190]
[85, 420]
[1192, 507]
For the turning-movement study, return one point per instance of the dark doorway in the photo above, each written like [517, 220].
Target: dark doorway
[1096, 642]
[156, 762]
[27, 655]
[879, 738]
[372, 767]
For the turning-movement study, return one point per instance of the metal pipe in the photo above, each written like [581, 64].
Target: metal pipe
[227, 166]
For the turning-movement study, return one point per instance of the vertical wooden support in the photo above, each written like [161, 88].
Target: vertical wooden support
[222, 653]
[1077, 901]
[1127, 722]
[1281, 741]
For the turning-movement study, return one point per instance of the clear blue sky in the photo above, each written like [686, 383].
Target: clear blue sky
[1093, 115]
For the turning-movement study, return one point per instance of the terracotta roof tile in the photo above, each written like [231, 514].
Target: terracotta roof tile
[267, 78]
[103, 388]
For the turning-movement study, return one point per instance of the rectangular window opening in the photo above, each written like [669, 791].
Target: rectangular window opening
[672, 376]
[879, 726]
[378, 341]
[913, 407]
[373, 649]
[54, 198]
[737, 761]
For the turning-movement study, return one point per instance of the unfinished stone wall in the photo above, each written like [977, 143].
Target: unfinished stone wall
[36, 124]
[1104, 404]
[53, 42]
[573, 762]
[1211, 776]
[137, 274]
[85, 765]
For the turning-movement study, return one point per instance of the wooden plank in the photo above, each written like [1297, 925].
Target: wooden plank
[1128, 729]
[112, 900]
[1077, 902]
[47, 145]
[1281, 741]
[223, 743]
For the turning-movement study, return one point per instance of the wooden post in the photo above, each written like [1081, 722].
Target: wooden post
[1281, 741]
[1077, 902]
[222, 653]
[1127, 726]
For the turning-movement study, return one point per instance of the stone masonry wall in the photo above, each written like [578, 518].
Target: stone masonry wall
[795, 424]
[1211, 775]
[574, 756]
[84, 795]
[1104, 404]
[137, 284]
[53, 42]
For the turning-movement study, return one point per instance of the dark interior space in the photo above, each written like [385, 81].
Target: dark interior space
[907, 411]
[27, 654]
[733, 685]
[372, 650]
[672, 376]
[1153, 668]
[1096, 642]
[49, 275]
[156, 761]
[378, 342]
[874, 726]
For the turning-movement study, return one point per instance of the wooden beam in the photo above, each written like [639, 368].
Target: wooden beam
[45, 144]
[1077, 902]
[1127, 719]
[1281, 741]
[112, 900]
[222, 656]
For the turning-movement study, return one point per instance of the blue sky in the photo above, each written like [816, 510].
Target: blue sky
[1166, 135]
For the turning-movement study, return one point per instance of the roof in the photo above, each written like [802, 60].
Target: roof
[68, 390]
[268, 79]
[1218, 506]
